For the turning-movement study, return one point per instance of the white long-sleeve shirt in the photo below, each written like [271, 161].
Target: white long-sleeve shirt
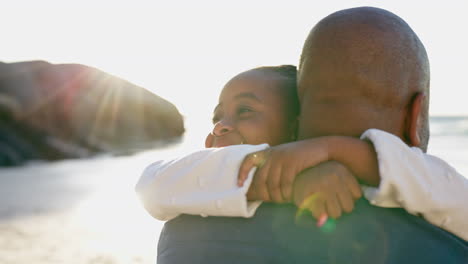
[420, 183]
[205, 183]
[201, 183]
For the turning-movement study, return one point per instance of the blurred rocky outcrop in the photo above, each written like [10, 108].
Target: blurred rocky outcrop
[57, 111]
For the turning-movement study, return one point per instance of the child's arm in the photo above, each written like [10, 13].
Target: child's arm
[358, 155]
[201, 183]
[279, 165]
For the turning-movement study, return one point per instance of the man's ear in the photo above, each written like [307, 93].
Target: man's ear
[414, 120]
[209, 141]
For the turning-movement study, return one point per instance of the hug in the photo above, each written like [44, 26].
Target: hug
[326, 164]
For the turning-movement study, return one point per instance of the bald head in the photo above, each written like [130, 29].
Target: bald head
[362, 68]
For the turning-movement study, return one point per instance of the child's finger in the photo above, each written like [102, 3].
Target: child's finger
[273, 182]
[314, 202]
[353, 187]
[333, 206]
[322, 220]
[345, 199]
[286, 183]
[317, 208]
[252, 195]
[250, 161]
[259, 182]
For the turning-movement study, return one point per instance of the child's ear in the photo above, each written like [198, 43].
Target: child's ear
[414, 120]
[209, 141]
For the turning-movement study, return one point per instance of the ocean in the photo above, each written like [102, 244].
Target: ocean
[449, 141]
[85, 211]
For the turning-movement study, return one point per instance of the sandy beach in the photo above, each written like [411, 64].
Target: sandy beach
[76, 212]
[82, 211]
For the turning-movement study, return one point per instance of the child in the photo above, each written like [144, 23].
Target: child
[260, 106]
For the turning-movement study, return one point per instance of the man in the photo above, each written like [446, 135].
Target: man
[360, 68]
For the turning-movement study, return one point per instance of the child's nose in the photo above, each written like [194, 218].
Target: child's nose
[222, 128]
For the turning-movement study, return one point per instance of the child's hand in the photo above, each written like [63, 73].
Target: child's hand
[278, 166]
[327, 189]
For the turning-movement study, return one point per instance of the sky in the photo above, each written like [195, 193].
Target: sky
[185, 51]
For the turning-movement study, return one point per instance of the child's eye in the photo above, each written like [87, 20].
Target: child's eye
[243, 111]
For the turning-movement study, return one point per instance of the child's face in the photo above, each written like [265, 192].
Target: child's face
[251, 110]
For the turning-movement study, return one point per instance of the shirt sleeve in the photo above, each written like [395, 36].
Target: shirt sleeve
[201, 183]
[420, 183]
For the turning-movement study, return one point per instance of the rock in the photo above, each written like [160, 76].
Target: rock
[57, 111]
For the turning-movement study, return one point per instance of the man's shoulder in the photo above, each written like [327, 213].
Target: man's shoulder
[368, 235]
